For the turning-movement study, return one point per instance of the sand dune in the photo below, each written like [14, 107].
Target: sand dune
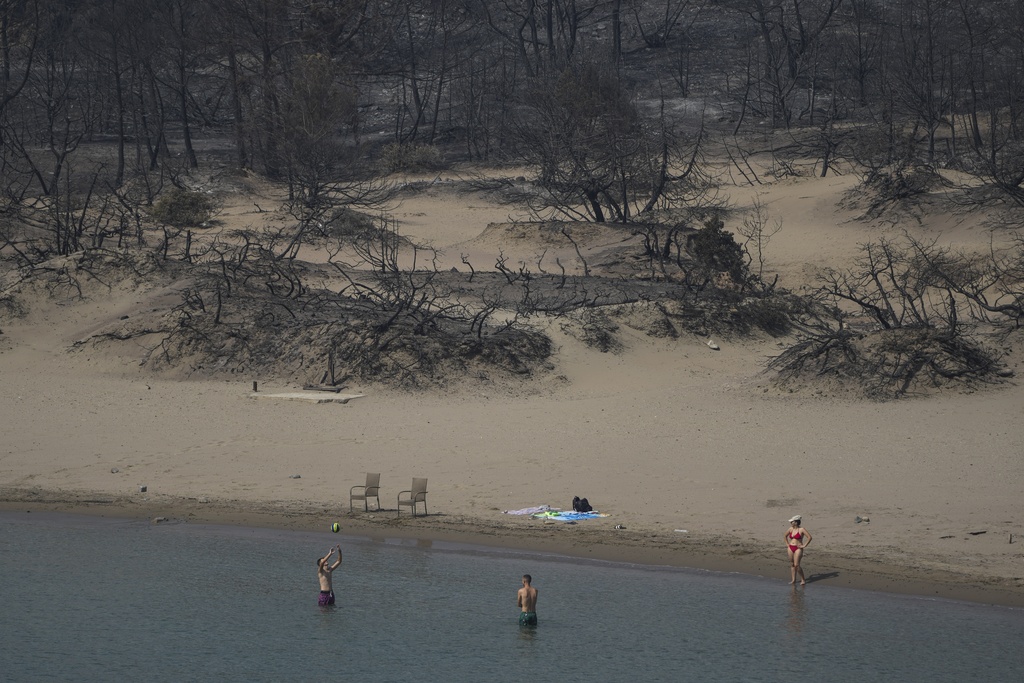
[667, 435]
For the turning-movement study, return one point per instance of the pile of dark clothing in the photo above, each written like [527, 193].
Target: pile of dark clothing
[581, 505]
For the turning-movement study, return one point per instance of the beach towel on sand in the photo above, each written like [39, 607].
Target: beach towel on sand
[560, 516]
[530, 511]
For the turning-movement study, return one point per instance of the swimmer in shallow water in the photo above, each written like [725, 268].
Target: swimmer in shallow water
[323, 572]
[526, 600]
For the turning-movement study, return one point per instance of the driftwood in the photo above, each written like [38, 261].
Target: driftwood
[322, 387]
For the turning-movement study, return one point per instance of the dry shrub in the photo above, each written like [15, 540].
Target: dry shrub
[892, 363]
[594, 328]
[893, 189]
[318, 336]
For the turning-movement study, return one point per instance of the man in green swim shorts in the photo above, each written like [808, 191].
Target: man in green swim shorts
[527, 602]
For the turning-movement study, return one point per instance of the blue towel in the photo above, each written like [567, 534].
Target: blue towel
[569, 516]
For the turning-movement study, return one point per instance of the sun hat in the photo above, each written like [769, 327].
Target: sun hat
[795, 518]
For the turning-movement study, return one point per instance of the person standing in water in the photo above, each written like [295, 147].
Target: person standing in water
[323, 572]
[527, 602]
[797, 538]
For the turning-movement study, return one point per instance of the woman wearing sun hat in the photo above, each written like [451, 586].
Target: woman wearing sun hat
[797, 538]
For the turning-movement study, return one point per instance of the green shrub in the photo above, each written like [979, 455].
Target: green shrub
[183, 208]
[716, 251]
[397, 157]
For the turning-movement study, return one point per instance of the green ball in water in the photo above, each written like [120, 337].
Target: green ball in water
[335, 527]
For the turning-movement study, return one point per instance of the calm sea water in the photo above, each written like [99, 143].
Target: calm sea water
[87, 599]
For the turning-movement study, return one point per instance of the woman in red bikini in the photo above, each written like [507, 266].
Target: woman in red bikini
[796, 539]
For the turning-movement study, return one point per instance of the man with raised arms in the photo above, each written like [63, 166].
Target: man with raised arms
[527, 602]
[323, 571]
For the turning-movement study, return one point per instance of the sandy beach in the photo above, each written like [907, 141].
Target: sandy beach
[697, 459]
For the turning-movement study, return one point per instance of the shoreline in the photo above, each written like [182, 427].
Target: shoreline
[847, 567]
